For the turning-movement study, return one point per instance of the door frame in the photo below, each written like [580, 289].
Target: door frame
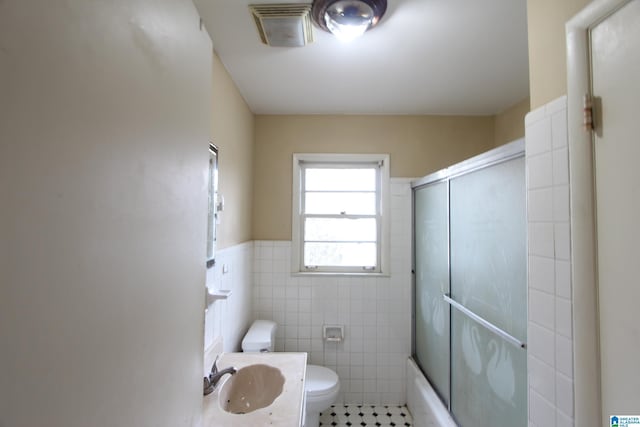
[586, 350]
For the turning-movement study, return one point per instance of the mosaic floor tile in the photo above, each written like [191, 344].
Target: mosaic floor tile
[366, 416]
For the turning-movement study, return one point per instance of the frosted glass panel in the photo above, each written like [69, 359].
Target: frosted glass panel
[470, 243]
[488, 377]
[432, 281]
[488, 245]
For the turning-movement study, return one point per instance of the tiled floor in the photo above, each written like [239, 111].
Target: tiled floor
[366, 415]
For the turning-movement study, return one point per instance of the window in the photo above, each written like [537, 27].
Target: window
[340, 213]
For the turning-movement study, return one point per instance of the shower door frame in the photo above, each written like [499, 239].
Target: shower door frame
[504, 153]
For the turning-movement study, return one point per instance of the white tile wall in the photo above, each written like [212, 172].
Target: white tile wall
[375, 312]
[550, 363]
[230, 318]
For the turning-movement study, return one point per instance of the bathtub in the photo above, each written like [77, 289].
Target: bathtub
[424, 404]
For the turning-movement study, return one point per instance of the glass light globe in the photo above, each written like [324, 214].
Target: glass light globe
[348, 19]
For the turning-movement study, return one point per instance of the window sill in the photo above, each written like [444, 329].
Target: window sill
[336, 274]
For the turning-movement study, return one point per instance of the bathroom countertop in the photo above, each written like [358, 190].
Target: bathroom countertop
[286, 409]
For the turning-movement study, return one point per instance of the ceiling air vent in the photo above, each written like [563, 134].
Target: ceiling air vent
[284, 25]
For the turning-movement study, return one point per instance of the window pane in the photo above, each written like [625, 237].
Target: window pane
[340, 254]
[340, 179]
[337, 203]
[340, 230]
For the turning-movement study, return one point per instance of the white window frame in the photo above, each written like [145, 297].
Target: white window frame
[383, 195]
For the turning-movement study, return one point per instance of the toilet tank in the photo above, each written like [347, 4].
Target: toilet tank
[261, 336]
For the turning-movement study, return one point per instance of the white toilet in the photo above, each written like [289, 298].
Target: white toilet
[321, 384]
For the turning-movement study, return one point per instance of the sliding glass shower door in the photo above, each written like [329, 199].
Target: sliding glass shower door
[470, 288]
[432, 282]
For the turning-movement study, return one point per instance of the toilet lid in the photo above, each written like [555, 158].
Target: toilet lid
[320, 380]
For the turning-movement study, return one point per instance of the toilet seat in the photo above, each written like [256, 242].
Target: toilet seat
[320, 382]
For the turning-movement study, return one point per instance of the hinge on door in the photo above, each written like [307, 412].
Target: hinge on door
[587, 111]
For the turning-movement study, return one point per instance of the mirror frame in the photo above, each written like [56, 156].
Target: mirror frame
[212, 217]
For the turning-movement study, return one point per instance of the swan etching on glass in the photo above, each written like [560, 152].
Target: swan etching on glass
[438, 315]
[425, 305]
[471, 347]
[500, 373]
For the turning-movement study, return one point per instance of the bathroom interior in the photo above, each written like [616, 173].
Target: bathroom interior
[107, 112]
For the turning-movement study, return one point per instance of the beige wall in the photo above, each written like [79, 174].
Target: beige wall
[417, 145]
[547, 52]
[232, 130]
[105, 109]
[509, 124]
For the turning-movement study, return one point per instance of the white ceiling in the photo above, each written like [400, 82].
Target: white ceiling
[462, 57]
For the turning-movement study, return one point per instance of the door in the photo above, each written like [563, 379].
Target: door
[615, 64]
[431, 326]
[489, 296]
[470, 287]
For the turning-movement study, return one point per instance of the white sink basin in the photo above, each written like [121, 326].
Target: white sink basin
[252, 387]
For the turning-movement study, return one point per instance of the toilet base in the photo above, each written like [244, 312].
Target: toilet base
[312, 419]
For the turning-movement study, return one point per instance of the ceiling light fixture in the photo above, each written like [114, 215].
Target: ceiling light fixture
[347, 19]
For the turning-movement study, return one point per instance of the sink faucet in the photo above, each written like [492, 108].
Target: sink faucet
[214, 377]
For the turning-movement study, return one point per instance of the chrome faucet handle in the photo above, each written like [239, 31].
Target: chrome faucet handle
[214, 368]
[209, 385]
[215, 378]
